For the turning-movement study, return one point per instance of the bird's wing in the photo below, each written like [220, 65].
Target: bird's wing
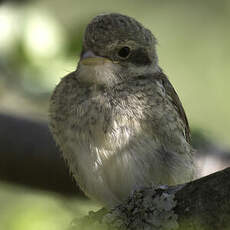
[175, 100]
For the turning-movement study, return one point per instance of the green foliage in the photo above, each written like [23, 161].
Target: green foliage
[23, 209]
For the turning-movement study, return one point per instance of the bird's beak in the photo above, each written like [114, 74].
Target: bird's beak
[89, 58]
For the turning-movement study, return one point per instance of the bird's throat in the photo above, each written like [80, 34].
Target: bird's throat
[102, 73]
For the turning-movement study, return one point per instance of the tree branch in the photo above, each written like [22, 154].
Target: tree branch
[30, 157]
[203, 204]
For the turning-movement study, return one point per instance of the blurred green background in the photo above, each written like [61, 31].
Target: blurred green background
[40, 42]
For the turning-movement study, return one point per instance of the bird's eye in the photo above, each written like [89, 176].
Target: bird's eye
[124, 52]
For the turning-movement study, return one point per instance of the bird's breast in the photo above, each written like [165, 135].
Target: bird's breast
[104, 123]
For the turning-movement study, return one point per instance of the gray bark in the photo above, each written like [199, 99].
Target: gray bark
[203, 204]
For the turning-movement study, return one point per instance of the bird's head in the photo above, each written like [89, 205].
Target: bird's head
[116, 48]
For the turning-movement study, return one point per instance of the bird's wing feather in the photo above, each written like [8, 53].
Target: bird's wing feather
[175, 100]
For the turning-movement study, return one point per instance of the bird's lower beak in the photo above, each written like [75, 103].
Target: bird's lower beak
[89, 58]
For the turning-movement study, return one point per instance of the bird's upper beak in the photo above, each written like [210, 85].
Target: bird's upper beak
[89, 58]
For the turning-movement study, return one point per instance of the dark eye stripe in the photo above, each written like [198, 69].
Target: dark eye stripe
[139, 57]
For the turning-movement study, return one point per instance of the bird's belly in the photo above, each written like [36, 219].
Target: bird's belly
[109, 166]
[111, 157]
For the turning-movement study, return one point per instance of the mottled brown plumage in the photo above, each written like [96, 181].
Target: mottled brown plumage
[117, 118]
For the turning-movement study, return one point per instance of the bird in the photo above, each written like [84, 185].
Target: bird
[117, 118]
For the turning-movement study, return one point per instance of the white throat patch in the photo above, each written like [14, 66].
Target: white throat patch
[98, 74]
